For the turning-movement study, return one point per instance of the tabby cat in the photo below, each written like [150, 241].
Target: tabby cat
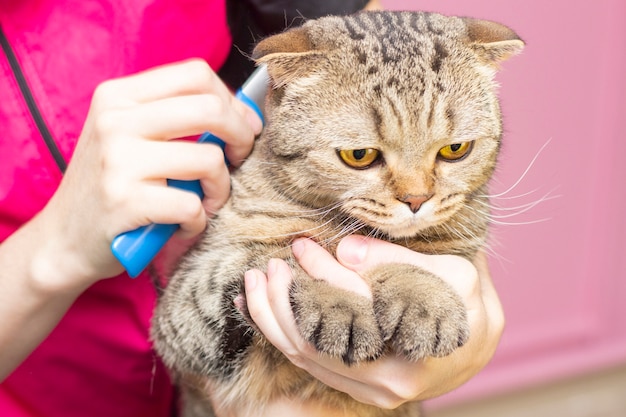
[383, 124]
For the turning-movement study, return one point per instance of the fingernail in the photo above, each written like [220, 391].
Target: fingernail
[239, 302]
[352, 249]
[297, 247]
[254, 121]
[272, 267]
[251, 280]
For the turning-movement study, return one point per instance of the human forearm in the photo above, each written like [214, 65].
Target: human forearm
[34, 291]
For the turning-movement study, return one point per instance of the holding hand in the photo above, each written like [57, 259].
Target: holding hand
[116, 181]
[389, 381]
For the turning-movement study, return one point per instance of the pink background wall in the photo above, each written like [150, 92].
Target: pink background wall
[562, 281]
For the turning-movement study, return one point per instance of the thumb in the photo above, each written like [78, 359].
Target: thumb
[360, 253]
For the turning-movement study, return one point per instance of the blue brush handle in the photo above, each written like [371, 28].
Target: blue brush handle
[137, 248]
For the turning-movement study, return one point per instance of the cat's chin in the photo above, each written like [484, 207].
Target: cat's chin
[405, 230]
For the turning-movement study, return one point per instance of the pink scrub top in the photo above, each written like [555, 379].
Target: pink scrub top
[98, 361]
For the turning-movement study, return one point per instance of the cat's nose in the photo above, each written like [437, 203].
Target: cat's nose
[415, 201]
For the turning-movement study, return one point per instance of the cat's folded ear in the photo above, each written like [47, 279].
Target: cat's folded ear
[288, 55]
[493, 42]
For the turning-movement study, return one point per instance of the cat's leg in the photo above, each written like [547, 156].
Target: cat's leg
[198, 328]
[337, 322]
[418, 313]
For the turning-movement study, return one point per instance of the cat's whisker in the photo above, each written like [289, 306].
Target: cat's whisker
[453, 231]
[524, 223]
[320, 213]
[313, 212]
[521, 178]
[490, 251]
[511, 197]
[501, 208]
[309, 231]
[520, 209]
[469, 235]
[373, 233]
[343, 230]
[495, 219]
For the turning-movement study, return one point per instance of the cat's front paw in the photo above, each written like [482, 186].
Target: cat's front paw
[337, 322]
[418, 313]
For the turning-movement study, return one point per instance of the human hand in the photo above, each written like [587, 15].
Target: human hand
[373, 5]
[116, 180]
[391, 380]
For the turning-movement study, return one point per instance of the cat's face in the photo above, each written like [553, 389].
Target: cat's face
[398, 130]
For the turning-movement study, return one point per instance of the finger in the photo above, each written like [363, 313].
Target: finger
[366, 383]
[461, 274]
[238, 147]
[178, 207]
[491, 301]
[278, 283]
[320, 264]
[181, 116]
[216, 187]
[275, 319]
[360, 253]
[255, 286]
[482, 267]
[173, 160]
[358, 390]
[183, 78]
[166, 205]
[192, 77]
[189, 161]
[268, 304]
[269, 307]
[179, 160]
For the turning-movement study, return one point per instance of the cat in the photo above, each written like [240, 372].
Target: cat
[384, 124]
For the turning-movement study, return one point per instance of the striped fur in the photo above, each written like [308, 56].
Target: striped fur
[404, 83]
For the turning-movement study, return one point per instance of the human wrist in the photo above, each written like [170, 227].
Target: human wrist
[54, 267]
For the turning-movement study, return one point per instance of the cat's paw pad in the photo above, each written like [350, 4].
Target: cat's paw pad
[419, 315]
[338, 323]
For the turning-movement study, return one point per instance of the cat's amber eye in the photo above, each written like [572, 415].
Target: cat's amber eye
[359, 158]
[456, 151]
